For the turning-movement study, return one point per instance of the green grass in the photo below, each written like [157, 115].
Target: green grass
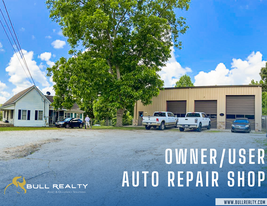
[26, 128]
[118, 128]
[55, 128]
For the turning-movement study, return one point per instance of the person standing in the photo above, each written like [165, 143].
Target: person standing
[87, 122]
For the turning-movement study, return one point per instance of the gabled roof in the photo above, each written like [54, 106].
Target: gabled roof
[21, 94]
[75, 107]
[17, 96]
[50, 98]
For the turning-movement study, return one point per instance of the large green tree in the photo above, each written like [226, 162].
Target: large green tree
[118, 48]
[263, 75]
[103, 110]
[184, 81]
[264, 95]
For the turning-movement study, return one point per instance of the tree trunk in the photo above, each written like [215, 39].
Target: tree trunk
[91, 123]
[119, 117]
[107, 121]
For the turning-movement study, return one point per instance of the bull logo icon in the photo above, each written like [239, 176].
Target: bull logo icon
[17, 184]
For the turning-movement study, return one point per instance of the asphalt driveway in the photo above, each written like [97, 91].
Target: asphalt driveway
[86, 167]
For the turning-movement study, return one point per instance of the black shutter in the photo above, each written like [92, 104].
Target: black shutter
[19, 116]
[29, 115]
[36, 114]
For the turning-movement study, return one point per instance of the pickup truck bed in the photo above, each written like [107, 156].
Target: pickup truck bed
[160, 120]
[194, 120]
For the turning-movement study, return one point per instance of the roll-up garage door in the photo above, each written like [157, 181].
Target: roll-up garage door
[210, 108]
[177, 108]
[240, 106]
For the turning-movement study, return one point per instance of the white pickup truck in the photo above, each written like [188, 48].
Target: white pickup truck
[160, 119]
[194, 120]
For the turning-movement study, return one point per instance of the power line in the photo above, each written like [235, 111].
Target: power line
[12, 35]
[14, 49]
[17, 41]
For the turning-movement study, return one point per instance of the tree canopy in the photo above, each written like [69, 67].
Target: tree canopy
[264, 96]
[102, 109]
[118, 48]
[263, 75]
[253, 82]
[184, 81]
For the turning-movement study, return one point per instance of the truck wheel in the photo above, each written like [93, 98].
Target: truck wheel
[148, 127]
[181, 129]
[199, 127]
[209, 126]
[162, 126]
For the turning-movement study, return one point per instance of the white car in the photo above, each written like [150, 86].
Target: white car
[194, 120]
[160, 120]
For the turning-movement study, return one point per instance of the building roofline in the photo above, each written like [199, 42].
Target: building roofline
[20, 96]
[30, 89]
[8, 105]
[212, 86]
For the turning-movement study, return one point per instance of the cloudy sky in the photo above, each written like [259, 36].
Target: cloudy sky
[225, 45]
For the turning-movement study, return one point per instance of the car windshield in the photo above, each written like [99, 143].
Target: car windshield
[159, 114]
[68, 119]
[192, 115]
[241, 121]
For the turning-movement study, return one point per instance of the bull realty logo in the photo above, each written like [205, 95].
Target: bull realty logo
[20, 186]
[17, 184]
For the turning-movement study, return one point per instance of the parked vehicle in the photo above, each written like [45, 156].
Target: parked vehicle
[160, 120]
[70, 122]
[241, 125]
[194, 120]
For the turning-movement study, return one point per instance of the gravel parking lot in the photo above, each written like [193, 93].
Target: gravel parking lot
[99, 158]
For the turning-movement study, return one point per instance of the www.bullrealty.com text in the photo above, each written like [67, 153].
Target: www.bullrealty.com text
[235, 157]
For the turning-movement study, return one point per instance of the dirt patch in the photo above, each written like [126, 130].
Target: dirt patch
[24, 150]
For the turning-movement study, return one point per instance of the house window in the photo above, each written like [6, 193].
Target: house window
[39, 114]
[4, 114]
[12, 112]
[67, 115]
[24, 115]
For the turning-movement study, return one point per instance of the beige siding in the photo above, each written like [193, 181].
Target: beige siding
[202, 93]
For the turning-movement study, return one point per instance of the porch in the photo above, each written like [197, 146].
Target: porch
[8, 116]
[3, 124]
[55, 116]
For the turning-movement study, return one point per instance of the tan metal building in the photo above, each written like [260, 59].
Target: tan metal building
[222, 103]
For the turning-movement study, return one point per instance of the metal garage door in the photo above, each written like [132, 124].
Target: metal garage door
[240, 106]
[210, 108]
[177, 108]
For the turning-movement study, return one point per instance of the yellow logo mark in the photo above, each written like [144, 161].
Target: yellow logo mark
[17, 183]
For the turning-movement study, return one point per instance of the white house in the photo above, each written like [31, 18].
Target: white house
[28, 108]
[31, 108]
